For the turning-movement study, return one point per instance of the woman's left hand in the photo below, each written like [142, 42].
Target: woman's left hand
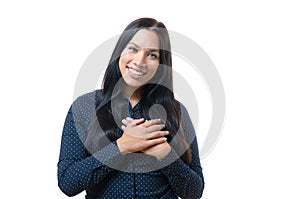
[159, 151]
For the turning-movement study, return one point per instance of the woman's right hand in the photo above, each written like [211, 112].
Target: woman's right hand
[139, 135]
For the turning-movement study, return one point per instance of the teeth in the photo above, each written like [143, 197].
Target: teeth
[135, 72]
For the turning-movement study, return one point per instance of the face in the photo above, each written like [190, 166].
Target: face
[140, 59]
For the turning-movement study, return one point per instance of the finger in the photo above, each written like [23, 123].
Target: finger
[157, 134]
[125, 122]
[132, 124]
[135, 122]
[156, 141]
[139, 121]
[123, 127]
[152, 122]
[156, 127]
[129, 119]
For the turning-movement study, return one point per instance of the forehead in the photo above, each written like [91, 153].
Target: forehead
[145, 39]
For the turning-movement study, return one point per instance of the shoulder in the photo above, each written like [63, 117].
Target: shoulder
[86, 103]
[182, 108]
[90, 98]
[93, 95]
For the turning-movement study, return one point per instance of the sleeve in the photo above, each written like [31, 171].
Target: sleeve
[186, 180]
[76, 170]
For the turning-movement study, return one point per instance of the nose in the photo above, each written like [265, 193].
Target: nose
[139, 59]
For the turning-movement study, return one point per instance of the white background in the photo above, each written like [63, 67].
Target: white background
[254, 44]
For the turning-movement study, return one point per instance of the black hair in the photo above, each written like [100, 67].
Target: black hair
[158, 91]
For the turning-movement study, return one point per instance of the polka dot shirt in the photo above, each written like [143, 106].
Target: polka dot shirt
[79, 171]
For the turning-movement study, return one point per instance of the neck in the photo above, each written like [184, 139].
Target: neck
[133, 95]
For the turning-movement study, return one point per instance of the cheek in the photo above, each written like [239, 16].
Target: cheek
[154, 67]
[124, 59]
[122, 64]
[152, 71]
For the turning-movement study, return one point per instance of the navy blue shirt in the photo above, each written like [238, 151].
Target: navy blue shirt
[79, 171]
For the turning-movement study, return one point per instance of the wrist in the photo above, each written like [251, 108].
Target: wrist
[121, 147]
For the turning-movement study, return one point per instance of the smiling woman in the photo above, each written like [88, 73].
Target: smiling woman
[140, 59]
[132, 138]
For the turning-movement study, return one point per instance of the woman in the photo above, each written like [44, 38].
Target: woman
[132, 139]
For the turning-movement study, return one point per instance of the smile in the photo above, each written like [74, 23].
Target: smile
[135, 72]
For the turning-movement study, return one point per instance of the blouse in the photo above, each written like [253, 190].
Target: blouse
[79, 171]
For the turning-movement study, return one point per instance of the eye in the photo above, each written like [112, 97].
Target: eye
[132, 49]
[153, 56]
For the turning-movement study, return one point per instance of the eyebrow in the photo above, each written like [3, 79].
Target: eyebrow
[151, 49]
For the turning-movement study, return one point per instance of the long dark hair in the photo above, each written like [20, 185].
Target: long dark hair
[159, 91]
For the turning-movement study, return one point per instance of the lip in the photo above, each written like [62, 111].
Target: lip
[134, 75]
[138, 70]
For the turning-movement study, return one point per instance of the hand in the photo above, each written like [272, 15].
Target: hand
[132, 122]
[139, 135]
[159, 151]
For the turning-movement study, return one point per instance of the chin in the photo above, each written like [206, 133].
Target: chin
[133, 85]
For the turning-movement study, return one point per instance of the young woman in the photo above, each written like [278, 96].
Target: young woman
[132, 139]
